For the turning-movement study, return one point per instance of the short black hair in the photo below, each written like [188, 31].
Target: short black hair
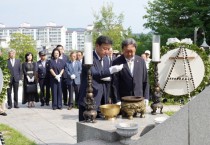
[80, 52]
[103, 40]
[27, 54]
[56, 49]
[129, 41]
[59, 46]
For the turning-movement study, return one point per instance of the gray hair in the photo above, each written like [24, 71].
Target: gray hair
[129, 41]
[12, 50]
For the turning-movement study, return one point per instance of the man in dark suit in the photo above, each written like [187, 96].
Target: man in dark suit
[132, 80]
[73, 69]
[100, 71]
[64, 76]
[14, 66]
[43, 78]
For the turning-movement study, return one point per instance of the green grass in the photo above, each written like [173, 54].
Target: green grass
[13, 137]
[171, 103]
[169, 113]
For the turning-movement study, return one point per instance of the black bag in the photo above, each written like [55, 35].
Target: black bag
[31, 88]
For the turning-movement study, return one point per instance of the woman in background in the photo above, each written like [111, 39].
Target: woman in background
[29, 72]
[56, 67]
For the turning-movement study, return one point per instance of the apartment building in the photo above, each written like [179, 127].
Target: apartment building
[75, 38]
[47, 37]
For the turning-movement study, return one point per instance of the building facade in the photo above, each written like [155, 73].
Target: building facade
[75, 38]
[47, 37]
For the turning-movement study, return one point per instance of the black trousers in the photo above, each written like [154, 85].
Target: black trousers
[12, 85]
[64, 90]
[81, 110]
[73, 88]
[44, 84]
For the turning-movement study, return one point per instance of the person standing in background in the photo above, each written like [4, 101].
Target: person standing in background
[148, 59]
[43, 78]
[73, 69]
[64, 76]
[56, 67]
[29, 72]
[14, 66]
[79, 56]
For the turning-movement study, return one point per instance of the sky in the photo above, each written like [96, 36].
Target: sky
[70, 13]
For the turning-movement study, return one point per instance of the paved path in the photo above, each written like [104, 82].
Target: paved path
[46, 126]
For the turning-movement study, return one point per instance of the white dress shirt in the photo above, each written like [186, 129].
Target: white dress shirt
[43, 63]
[12, 60]
[130, 63]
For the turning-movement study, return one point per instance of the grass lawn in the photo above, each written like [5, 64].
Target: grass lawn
[13, 137]
[170, 113]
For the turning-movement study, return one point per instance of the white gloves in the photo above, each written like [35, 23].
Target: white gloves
[30, 79]
[146, 101]
[73, 76]
[115, 68]
[58, 78]
[106, 79]
[118, 103]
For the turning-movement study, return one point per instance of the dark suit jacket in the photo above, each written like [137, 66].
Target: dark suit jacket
[99, 86]
[76, 70]
[124, 84]
[16, 71]
[43, 72]
[57, 67]
[65, 59]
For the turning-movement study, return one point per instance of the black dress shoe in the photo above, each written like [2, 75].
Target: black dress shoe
[47, 104]
[3, 114]
[60, 108]
[54, 108]
[16, 107]
[42, 104]
[69, 108]
[9, 107]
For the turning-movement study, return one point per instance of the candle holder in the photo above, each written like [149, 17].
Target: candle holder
[157, 92]
[90, 113]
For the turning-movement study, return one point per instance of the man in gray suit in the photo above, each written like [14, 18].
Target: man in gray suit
[132, 80]
[14, 66]
[73, 70]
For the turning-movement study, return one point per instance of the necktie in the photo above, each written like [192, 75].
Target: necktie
[101, 61]
[129, 64]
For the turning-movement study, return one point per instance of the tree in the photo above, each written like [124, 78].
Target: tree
[109, 24]
[175, 18]
[144, 42]
[22, 44]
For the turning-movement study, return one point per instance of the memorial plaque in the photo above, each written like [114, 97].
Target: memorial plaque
[1, 80]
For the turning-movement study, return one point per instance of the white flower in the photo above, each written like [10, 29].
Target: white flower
[172, 40]
[187, 41]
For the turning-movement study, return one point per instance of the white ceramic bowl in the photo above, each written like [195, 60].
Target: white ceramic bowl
[127, 129]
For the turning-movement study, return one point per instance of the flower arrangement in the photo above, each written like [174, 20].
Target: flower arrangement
[6, 77]
[175, 40]
[187, 43]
